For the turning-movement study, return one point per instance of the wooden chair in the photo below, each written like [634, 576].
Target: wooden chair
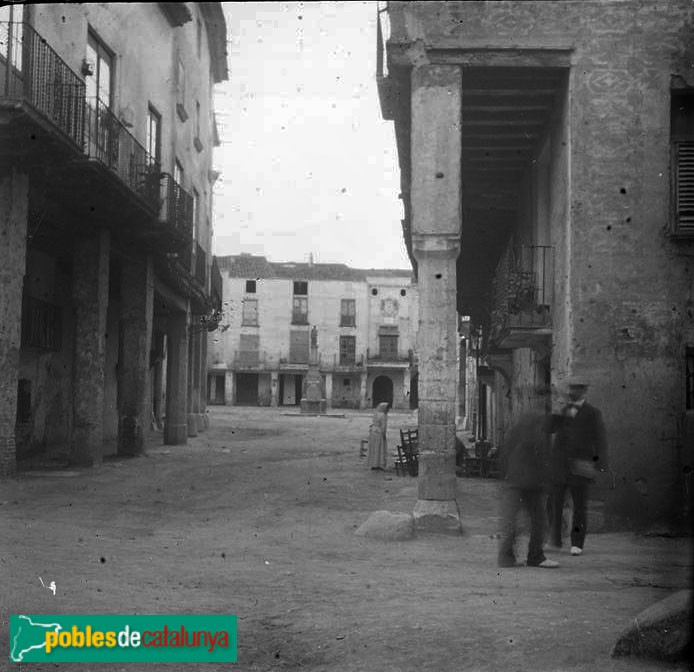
[408, 451]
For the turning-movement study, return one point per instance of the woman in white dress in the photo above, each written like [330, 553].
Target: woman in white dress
[378, 446]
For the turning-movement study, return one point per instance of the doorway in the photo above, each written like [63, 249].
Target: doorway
[382, 391]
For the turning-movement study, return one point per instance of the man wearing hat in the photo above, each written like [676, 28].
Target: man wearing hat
[580, 450]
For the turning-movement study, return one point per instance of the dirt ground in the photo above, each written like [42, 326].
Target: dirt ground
[256, 517]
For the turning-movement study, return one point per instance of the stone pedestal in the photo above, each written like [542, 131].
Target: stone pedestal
[436, 220]
[14, 188]
[90, 280]
[313, 401]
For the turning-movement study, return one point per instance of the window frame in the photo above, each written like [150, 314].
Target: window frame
[348, 312]
[300, 309]
[348, 355]
[249, 318]
[682, 139]
[154, 141]
[102, 53]
[388, 352]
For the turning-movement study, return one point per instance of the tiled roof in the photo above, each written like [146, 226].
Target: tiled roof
[254, 267]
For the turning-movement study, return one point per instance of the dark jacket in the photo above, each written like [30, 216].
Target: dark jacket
[582, 437]
[524, 456]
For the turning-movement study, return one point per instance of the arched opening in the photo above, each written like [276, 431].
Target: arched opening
[382, 391]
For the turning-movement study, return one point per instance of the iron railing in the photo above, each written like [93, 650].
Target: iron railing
[523, 289]
[216, 284]
[31, 71]
[176, 207]
[200, 268]
[110, 142]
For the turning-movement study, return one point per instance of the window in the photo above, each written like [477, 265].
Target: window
[12, 34]
[250, 286]
[199, 36]
[348, 313]
[682, 145]
[41, 324]
[250, 313]
[388, 347]
[689, 380]
[179, 173]
[300, 310]
[181, 91]
[348, 349]
[249, 349]
[196, 213]
[298, 347]
[403, 292]
[374, 292]
[153, 135]
[100, 82]
[300, 288]
[196, 140]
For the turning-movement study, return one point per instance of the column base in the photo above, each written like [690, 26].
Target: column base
[192, 424]
[175, 435]
[201, 417]
[443, 517]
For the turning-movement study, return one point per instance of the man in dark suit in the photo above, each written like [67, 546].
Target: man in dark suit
[580, 450]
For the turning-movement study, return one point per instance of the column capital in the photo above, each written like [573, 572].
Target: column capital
[439, 246]
[428, 74]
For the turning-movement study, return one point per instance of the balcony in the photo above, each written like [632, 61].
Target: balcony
[523, 287]
[109, 142]
[35, 78]
[342, 364]
[96, 169]
[216, 285]
[250, 359]
[200, 265]
[388, 360]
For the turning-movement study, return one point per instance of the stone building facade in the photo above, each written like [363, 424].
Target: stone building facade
[547, 176]
[364, 330]
[106, 185]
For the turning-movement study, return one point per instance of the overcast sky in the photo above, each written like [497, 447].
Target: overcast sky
[308, 164]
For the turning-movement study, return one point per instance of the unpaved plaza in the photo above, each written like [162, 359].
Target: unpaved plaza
[256, 517]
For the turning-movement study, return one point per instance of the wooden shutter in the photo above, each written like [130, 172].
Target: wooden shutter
[684, 185]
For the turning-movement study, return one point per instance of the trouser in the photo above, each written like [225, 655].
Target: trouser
[512, 500]
[579, 493]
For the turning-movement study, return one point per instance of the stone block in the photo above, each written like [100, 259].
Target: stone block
[437, 516]
[387, 526]
[663, 631]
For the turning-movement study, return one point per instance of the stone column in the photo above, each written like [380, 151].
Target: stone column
[436, 221]
[203, 421]
[193, 397]
[229, 385]
[274, 388]
[176, 425]
[90, 278]
[329, 389]
[158, 382]
[137, 306]
[14, 203]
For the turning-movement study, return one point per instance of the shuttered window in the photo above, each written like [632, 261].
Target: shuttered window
[682, 144]
[684, 184]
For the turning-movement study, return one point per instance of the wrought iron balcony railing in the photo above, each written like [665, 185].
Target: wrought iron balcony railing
[110, 142]
[31, 71]
[200, 268]
[216, 284]
[176, 207]
[523, 287]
